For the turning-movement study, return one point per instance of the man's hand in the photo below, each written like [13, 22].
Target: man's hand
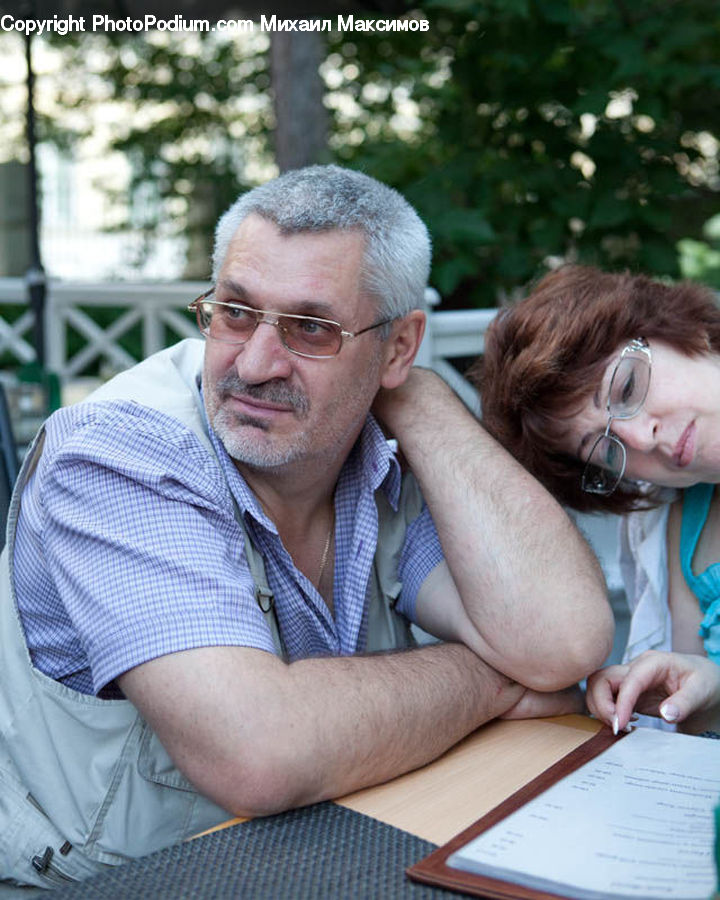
[389, 404]
[679, 687]
[535, 705]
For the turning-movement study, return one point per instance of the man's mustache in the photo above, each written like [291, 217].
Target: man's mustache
[274, 391]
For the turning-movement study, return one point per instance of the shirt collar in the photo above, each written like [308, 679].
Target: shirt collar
[378, 464]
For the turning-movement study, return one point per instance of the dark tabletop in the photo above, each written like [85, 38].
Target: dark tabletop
[321, 851]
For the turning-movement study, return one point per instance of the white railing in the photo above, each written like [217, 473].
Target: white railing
[451, 334]
[158, 309]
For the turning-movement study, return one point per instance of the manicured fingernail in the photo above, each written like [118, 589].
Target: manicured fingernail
[616, 724]
[669, 712]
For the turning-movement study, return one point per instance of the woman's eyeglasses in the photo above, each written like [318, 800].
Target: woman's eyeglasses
[629, 385]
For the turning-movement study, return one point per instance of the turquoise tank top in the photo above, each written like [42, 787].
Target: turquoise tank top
[706, 585]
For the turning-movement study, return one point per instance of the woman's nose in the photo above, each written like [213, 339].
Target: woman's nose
[638, 433]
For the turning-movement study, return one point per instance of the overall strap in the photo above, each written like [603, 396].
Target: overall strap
[387, 629]
[695, 509]
[263, 593]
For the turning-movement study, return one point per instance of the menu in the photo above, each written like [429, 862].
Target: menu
[636, 821]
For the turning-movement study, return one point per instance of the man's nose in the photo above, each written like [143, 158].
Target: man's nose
[263, 356]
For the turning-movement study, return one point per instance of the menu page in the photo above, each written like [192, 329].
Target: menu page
[635, 822]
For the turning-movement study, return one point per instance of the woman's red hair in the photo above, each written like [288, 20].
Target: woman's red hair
[545, 356]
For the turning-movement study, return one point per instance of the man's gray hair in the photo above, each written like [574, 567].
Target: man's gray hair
[323, 198]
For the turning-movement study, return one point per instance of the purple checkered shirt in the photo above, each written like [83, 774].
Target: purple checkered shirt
[127, 549]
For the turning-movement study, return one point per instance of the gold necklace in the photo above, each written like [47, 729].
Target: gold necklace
[326, 549]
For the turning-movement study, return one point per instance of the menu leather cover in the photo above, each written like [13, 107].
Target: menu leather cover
[433, 870]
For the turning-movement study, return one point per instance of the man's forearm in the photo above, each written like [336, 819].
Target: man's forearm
[532, 588]
[442, 693]
[258, 736]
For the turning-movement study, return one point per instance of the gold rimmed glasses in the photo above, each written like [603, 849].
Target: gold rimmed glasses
[309, 336]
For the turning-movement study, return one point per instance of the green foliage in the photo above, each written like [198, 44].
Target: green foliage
[524, 131]
[192, 110]
[700, 260]
[548, 130]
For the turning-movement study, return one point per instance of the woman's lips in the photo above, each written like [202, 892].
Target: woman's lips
[685, 447]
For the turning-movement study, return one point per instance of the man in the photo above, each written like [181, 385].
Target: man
[200, 568]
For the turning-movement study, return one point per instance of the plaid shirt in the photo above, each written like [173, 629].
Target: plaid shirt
[127, 549]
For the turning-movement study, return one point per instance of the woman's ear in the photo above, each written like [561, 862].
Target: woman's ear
[400, 349]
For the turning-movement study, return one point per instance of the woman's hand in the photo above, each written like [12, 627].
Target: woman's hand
[678, 687]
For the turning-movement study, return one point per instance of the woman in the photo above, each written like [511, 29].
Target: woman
[607, 388]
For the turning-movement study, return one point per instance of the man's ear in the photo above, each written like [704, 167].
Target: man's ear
[401, 348]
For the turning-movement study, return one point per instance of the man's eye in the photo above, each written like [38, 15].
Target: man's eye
[236, 313]
[313, 328]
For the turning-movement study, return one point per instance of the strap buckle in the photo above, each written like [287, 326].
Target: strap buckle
[265, 599]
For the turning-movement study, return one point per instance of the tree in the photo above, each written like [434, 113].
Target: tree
[546, 130]
[524, 131]
[192, 116]
[701, 259]
[199, 119]
[300, 118]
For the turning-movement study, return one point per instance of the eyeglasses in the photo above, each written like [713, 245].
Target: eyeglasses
[233, 323]
[629, 385]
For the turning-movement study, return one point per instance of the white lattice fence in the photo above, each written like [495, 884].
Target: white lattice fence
[16, 331]
[157, 310]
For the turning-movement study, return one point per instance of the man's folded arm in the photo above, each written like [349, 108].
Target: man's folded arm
[520, 585]
[259, 736]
